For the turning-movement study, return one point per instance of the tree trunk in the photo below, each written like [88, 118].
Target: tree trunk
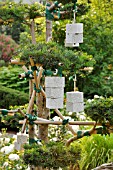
[48, 30]
[43, 112]
[33, 32]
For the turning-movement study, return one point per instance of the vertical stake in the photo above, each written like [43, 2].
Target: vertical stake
[75, 82]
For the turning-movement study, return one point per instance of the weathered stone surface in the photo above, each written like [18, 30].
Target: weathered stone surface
[74, 97]
[56, 92]
[75, 107]
[22, 138]
[54, 81]
[54, 103]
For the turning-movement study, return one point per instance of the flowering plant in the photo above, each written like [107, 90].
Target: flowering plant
[7, 47]
[9, 157]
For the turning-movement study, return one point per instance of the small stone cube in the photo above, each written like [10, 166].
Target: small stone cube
[54, 103]
[74, 96]
[54, 81]
[22, 138]
[75, 107]
[54, 92]
[18, 146]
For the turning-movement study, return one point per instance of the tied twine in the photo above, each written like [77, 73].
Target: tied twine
[37, 90]
[27, 75]
[33, 68]
[65, 121]
[31, 118]
[4, 112]
[32, 140]
[80, 134]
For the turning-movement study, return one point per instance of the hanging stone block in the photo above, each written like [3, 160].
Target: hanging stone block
[74, 96]
[75, 107]
[74, 38]
[74, 28]
[54, 88]
[22, 138]
[55, 82]
[74, 101]
[56, 92]
[54, 103]
[74, 34]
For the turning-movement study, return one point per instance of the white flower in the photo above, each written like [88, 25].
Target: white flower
[54, 139]
[96, 97]
[56, 118]
[5, 164]
[89, 100]
[82, 117]
[7, 149]
[6, 140]
[13, 157]
[70, 113]
[18, 166]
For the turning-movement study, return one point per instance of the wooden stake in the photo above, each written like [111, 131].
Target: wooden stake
[31, 102]
[69, 127]
[34, 73]
[17, 61]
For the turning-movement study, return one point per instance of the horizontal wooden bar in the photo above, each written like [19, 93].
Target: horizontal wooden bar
[42, 121]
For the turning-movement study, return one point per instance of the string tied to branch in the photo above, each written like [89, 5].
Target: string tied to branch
[80, 134]
[4, 112]
[33, 68]
[32, 140]
[37, 90]
[31, 118]
[29, 74]
[65, 121]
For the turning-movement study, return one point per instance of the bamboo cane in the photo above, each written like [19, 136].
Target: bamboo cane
[9, 111]
[17, 61]
[31, 102]
[45, 121]
[34, 73]
[69, 127]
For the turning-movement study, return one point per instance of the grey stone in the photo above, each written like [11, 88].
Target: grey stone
[54, 81]
[75, 107]
[74, 97]
[54, 103]
[54, 92]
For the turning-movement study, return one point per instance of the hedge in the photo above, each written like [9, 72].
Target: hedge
[11, 97]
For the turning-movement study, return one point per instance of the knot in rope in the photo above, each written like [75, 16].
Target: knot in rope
[65, 121]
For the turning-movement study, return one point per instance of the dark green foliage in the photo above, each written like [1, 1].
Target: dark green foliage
[100, 109]
[10, 97]
[49, 55]
[9, 77]
[52, 155]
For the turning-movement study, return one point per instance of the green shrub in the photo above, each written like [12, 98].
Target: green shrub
[10, 97]
[96, 150]
[9, 78]
[100, 109]
[52, 155]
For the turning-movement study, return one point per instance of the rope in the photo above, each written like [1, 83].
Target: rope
[4, 112]
[31, 118]
[65, 121]
[32, 140]
[33, 68]
[37, 90]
